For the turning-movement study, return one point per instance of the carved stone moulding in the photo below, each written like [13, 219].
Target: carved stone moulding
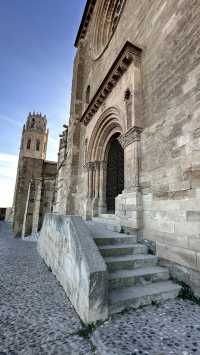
[89, 8]
[132, 135]
[93, 165]
[128, 54]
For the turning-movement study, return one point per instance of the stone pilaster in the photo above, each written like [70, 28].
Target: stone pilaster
[129, 203]
[36, 211]
[24, 227]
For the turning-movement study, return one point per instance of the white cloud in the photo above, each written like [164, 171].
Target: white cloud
[8, 171]
[52, 148]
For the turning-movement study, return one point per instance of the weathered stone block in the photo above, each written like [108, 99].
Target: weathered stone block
[178, 255]
[66, 245]
[193, 216]
[194, 242]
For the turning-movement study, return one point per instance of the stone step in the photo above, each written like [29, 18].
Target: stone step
[109, 223]
[141, 276]
[122, 249]
[118, 239]
[107, 215]
[115, 263]
[137, 296]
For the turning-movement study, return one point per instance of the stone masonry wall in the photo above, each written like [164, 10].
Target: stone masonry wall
[168, 34]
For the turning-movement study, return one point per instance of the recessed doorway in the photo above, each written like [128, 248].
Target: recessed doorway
[115, 172]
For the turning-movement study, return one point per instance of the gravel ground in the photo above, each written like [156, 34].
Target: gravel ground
[37, 318]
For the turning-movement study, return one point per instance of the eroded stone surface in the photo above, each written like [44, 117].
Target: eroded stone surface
[67, 247]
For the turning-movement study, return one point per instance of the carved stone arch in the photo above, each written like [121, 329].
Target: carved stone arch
[106, 17]
[110, 122]
[110, 125]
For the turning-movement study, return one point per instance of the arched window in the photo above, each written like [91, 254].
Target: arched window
[29, 144]
[33, 123]
[38, 145]
[87, 98]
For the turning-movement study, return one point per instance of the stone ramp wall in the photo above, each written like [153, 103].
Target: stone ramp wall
[68, 248]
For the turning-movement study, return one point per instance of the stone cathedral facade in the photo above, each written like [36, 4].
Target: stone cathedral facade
[132, 147]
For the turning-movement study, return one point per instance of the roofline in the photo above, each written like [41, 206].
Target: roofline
[86, 16]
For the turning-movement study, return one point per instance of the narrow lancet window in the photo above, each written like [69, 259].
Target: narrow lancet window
[29, 144]
[37, 145]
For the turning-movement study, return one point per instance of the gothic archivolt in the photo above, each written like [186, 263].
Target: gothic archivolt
[105, 21]
[110, 122]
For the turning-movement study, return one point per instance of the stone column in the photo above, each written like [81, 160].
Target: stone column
[102, 208]
[36, 211]
[132, 157]
[90, 179]
[97, 180]
[96, 189]
[90, 171]
[26, 211]
[129, 203]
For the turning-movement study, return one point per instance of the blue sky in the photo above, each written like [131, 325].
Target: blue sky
[36, 61]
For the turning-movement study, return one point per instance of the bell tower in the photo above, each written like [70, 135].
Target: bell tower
[30, 165]
[34, 137]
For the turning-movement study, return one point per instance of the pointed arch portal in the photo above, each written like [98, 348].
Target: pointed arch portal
[115, 172]
[105, 163]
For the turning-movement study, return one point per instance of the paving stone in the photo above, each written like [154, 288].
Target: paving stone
[172, 328]
[35, 315]
[36, 318]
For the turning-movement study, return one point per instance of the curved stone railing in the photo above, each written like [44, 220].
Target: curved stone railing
[68, 248]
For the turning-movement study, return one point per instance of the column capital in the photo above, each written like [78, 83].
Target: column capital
[94, 165]
[132, 135]
[90, 165]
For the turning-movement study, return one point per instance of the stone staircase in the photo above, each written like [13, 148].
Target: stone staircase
[135, 279]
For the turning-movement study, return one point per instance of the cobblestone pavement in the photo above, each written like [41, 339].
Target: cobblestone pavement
[35, 315]
[37, 318]
[172, 328]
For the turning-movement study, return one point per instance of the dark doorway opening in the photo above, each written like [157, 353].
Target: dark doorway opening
[115, 173]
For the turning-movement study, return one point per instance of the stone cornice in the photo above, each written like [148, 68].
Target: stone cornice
[128, 54]
[89, 7]
[132, 135]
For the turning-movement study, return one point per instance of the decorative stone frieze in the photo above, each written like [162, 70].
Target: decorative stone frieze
[132, 135]
[128, 55]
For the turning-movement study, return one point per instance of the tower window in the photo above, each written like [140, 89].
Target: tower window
[29, 144]
[37, 145]
[33, 123]
[87, 98]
